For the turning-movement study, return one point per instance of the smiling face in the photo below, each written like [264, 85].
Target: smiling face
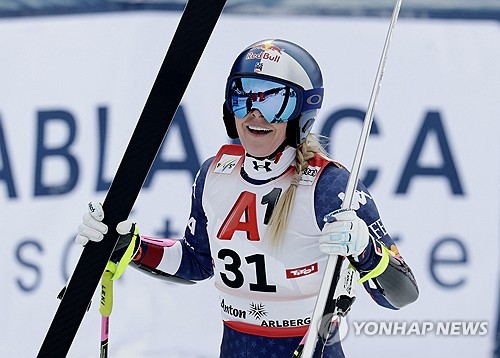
[259, 137]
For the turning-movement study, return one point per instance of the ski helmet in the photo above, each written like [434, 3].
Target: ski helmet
[279, 78]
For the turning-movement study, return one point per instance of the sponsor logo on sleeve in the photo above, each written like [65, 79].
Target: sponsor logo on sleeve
[359, 198]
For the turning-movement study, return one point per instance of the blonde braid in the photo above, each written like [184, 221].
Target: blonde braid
[279, 219]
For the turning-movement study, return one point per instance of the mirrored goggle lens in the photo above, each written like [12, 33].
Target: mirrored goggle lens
[276, 101]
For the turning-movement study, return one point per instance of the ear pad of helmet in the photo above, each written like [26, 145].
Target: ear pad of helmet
[228, 118]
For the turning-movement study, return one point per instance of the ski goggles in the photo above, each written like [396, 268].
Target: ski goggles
[278, 101]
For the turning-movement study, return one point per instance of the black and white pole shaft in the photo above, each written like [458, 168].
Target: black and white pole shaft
[328, 277]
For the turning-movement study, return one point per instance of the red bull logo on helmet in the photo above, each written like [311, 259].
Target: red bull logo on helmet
[265, 53]
[262, 56]
[268, 47]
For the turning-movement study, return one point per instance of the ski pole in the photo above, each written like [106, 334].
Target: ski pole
[332, 271]
[106, 306]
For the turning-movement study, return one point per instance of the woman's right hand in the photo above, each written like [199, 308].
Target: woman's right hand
[92, 228]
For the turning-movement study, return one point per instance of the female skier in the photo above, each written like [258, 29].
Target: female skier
[265, 214]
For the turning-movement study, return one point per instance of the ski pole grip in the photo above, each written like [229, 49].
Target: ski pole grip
[107, 290]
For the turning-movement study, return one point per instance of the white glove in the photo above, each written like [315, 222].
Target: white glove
[344, 234]
[92, 228]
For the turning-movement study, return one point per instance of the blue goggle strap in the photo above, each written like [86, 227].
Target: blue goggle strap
[312, 99]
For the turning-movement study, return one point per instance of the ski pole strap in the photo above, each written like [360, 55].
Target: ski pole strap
[107, 290]
[130, 252]
[381, 266]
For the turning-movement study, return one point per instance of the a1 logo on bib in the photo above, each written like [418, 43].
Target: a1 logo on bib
[226, 164]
